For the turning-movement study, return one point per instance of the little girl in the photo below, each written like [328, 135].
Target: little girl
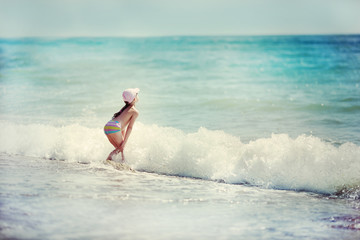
[124, 119]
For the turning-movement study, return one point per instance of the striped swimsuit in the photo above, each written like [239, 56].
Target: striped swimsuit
[112, 127]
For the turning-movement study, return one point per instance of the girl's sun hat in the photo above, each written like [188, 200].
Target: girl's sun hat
[130, 94]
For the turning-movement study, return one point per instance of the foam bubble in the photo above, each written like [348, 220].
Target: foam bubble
[281, 162]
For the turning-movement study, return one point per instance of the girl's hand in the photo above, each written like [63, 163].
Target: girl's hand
[122, 146]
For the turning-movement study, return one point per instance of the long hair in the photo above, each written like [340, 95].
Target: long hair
[127, 104]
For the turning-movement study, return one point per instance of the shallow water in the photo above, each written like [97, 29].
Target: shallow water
[238, 137]
[51, 199]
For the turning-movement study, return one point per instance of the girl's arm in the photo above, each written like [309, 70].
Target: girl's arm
[128, 130]
[123, 133]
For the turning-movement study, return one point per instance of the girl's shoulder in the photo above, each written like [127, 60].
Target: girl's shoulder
[134, 111]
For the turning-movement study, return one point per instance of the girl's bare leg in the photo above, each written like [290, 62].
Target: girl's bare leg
[115, 139]
[122, 156]
[111, 154]
[116, 151]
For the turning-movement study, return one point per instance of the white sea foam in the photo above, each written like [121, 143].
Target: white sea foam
[70, 142]
[304, 163]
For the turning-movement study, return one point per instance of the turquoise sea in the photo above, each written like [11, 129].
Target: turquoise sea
[239, 137]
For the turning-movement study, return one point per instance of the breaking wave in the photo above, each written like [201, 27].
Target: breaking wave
[304, 163]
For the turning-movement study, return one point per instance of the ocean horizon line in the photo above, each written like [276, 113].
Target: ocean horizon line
[174, 36]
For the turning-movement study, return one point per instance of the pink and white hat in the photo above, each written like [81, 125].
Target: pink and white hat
[130, 94]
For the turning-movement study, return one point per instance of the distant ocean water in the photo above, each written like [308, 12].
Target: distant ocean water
[260, 114]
